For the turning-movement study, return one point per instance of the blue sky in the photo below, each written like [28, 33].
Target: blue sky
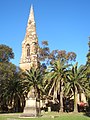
[65, 24]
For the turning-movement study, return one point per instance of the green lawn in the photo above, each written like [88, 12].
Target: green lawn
[47, 116]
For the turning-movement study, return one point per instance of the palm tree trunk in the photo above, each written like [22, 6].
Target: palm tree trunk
[55, 93]
[75, 100]
[61, 97]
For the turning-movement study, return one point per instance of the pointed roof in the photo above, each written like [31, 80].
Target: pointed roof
[31, 16]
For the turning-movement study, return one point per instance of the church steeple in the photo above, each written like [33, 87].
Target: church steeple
[31, 16]
[29, 55]
[31, 26]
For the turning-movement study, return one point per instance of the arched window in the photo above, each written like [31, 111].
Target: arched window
[28, 50]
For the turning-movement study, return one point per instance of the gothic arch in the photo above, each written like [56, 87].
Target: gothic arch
[28, 50]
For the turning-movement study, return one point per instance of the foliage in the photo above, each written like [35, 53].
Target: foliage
[56, 78]
[11, 86]
[33, 79]
[48, 57]
[76, 82]
[6, 53]
[88, 74]
[62, 55]
[56, 72]
[44, 51]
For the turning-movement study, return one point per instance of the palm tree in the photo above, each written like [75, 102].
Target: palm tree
[88, 74]
[11, 85]
[34, 83]
[56, 79]
[33, 79]
[76, 82]
[14, 93]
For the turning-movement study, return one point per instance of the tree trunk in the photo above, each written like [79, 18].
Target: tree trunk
[61, 97]
[75, 101]
[55, 93]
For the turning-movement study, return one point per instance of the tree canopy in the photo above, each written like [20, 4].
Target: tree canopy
[6, 53]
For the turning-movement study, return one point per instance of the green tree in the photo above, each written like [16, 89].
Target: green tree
[11, 87]
[6, 53]
[15, 92]
[6, 73]
[48, 57]
[56, 79]
[76, 82]
[33, 79]
[62, 55]
[34, 82]
[88, 73]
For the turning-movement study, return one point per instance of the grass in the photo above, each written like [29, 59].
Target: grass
[47, 116]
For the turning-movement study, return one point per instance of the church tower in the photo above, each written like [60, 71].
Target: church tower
[29, 57]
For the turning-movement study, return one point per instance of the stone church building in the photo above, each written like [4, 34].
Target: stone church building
[29, 55]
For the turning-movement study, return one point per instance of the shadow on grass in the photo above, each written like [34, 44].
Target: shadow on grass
[87, 114]
[88, 111]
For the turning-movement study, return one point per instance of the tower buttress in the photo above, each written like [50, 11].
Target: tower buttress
[29, 57]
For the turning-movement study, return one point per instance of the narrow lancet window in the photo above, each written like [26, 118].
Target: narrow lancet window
[28, 50]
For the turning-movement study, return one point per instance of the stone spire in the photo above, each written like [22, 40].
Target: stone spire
[29, 55]
[31, 16]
